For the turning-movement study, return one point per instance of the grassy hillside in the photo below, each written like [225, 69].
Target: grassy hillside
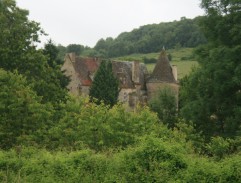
[183, 58]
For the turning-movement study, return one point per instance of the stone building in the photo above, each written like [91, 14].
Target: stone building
[163, 76]
[136, 84]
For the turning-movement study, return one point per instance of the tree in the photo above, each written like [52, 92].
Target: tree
[210, 96]
[41, 68]
[165, 105]
[52, 51]
[52, 86]
[21, 110]
[105, 85]
[17, 38]
[61, 51]
[76, 48]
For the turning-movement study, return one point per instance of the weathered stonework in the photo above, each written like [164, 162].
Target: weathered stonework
[136, 85]
[70, 72]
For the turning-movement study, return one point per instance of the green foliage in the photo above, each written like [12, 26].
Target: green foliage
[151, 38]
[21, 111]
[98, 127]
[75, 48]
[61, 52]
[89, 142]
[105, 86]
[17, 35]
[149, 60]
[165, 105]
[222, 23]
[51, 51]
[78, 49]
[218, 147]
[210, 96]
[151, 160]
[41, 68]
[57, 81]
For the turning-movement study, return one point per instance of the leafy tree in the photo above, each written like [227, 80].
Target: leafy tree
[51, 51]
[165, 105]
[17, 38]
[61, 52]
[105, 85]
[76, 48]
[98, 126]
[21, 110]
[17, 52]
[210, 96]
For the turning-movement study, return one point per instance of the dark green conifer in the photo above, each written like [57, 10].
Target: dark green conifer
[105, 85]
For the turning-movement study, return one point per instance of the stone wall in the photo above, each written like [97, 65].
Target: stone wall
[124, 94]
[84, 91]
[153, 88]
[69, 71]
[136, 72]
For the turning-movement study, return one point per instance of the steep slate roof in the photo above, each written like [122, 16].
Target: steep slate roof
[163, 70]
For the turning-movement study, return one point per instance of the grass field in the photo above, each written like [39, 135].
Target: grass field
[183, 58]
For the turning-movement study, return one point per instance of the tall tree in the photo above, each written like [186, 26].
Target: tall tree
[211, 96]
[105, 85]
[18, 37]
[53, 84]
[52, 51]
[76, 48]
[165, 105]
[21, 110]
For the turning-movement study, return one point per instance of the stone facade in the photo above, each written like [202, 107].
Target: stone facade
[136, 84]
[163, 76]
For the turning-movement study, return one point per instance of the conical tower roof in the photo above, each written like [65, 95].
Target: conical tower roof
[163, 70]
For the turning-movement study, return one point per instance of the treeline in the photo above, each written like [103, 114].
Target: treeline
[152, 38]
[146, 39]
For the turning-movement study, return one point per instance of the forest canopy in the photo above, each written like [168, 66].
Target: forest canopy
[145, 39]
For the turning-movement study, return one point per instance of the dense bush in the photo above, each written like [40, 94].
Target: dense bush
[165, 105]
[98, 126]
[21, 111]
[150, 160]
[149, 60]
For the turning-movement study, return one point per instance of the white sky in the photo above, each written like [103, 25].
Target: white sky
[86, 21]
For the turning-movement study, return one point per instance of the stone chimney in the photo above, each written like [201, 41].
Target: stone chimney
[72, 57]
[174, 71]
[136, 72]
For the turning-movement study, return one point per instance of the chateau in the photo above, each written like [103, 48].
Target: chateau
[136, 84]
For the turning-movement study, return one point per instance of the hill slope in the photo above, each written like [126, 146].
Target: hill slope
[151, 38]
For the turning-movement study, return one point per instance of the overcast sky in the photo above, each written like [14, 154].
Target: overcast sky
[86, 21]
